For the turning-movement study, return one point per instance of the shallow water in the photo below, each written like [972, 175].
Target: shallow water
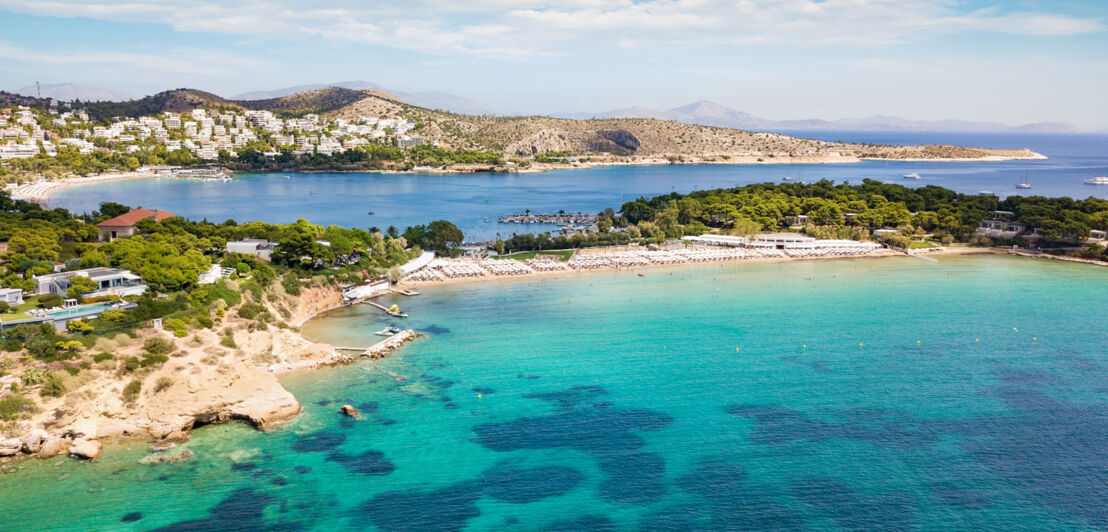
[855, 394]
[470, 200]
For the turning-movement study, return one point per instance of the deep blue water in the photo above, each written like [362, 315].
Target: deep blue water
[470, 200]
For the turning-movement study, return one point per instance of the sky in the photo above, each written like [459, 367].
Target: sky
[1013, 62]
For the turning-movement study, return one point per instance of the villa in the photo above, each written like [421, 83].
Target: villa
[109, 281]
[11, 296]
[257, 247]
[124, 224]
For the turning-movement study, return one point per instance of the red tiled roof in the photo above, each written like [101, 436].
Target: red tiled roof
[133, 217]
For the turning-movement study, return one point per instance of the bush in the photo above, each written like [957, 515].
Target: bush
[11, 406]
[11, 346]
[131, 391]
[253, 288]
[100, 357]
[130, 364]
[199, 297]
[68, 345]
[250, 311]
[157, 346]
[72, 370]
[28, 330]
[220, 290]
[49, 300]
[41, 348]
[291, 285]
[78, 326]
[4, 307]
[204, 321]
[115, 316]
[178, 326]
[264, 274]
[162, 384]
[151, 360]
[34, 376]
[53, 386]
[228, 341]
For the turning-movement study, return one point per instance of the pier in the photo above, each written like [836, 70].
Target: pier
[386, 309]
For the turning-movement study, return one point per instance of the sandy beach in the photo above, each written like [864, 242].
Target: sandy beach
[40, 191]
[885, 253]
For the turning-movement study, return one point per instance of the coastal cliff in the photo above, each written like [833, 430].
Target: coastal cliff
[227, 373]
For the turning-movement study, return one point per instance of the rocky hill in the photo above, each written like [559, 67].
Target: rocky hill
[315, 101]
[177, 101]
[639, 137]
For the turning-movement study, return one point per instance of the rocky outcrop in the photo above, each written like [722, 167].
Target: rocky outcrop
[53, 447]
[85, 448]
[33, 440]
[10, 446]
[350, 411]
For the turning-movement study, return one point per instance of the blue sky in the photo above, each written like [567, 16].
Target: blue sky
[1012, 62]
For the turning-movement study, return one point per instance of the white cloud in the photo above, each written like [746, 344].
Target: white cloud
[508, 29]
[179, 61]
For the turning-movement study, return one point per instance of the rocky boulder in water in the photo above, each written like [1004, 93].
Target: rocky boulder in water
[350, 411]
[53, 447]
[85, 448]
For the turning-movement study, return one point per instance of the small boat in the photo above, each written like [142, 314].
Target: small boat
[1024, 185]
[788, 178]
[985, 193]
[912, 175]
[641, 275]
[1102, 180]
[888, 181]
[370, 212]
[388, 331]
[288, 177]
[394, 311]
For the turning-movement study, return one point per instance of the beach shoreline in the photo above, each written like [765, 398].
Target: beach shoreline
[635, 269]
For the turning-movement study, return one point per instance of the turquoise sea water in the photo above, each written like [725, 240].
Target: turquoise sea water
[858, 395]
[475, 201]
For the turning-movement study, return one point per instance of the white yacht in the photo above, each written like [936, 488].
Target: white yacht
[912, 175]
[1097, 180]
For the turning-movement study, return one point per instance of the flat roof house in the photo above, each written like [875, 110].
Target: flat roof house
[109, 281]
[257, 247]
[11, 296]
[124, 224]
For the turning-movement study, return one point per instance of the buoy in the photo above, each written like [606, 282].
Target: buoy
[805, 346]
[478, 397]
[977, 340]
[1034, 339]
[917, 342]
[736, 350]
[860, 344]
[1016, 329]
[663, 347]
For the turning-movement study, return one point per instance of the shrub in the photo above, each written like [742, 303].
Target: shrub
[130, 364]
[157, 346]
[72, 370]
[250, 311]
[264, 274]
[100, 357]
[12, 405]
[116, 316]
[78, 326]
[177, 326]
[228, 341]
[53, 386]
[204, 321]
[28, 330]
[162, 384]
[11, 346]
[151, 360]
[4, 307]
[41, 348]
[199, 297]
[34, 376]
[68, 345]
[253, 288]
[220, 290]
[131, 391]
[49, 300]
[291, 285]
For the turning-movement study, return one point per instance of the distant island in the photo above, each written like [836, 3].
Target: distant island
[339, 129]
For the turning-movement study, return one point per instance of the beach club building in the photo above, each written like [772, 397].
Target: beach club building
[124, 224]
[263, 249]
[109, 281]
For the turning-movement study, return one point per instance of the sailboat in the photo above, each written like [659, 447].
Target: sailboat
[1023, 184]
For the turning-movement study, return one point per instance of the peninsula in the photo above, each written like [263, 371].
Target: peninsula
[336, 129]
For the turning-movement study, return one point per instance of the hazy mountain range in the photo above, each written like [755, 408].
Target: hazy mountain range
[707, 113]
[73, 91]
[427, 99]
